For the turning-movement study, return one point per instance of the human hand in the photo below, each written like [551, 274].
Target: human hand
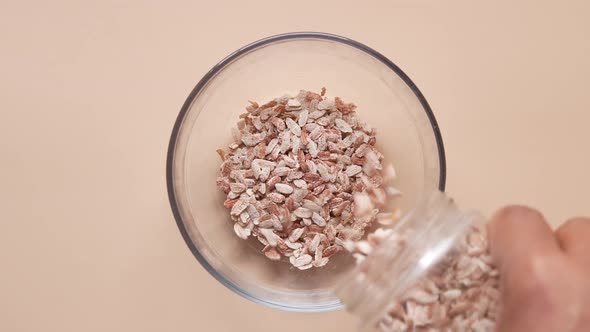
[545, 275]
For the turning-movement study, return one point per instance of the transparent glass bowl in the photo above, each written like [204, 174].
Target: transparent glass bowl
[407, 134]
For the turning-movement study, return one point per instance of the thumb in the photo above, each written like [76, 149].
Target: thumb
[523, 246]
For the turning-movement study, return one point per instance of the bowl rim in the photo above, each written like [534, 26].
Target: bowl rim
[211, 74]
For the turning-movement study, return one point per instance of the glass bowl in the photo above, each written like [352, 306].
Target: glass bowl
[407, 134]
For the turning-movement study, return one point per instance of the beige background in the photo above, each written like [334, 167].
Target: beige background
[89, 92]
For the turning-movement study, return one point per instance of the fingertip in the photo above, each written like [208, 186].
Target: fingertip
[513, 213]
[573, 227]
[503, 220]
[573, 237]
[516, 231]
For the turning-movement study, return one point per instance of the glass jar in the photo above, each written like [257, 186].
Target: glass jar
[431, 271]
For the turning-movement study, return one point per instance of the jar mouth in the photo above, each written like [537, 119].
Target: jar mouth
[416, 245]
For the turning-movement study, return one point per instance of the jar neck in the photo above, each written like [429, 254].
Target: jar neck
[417, 243]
